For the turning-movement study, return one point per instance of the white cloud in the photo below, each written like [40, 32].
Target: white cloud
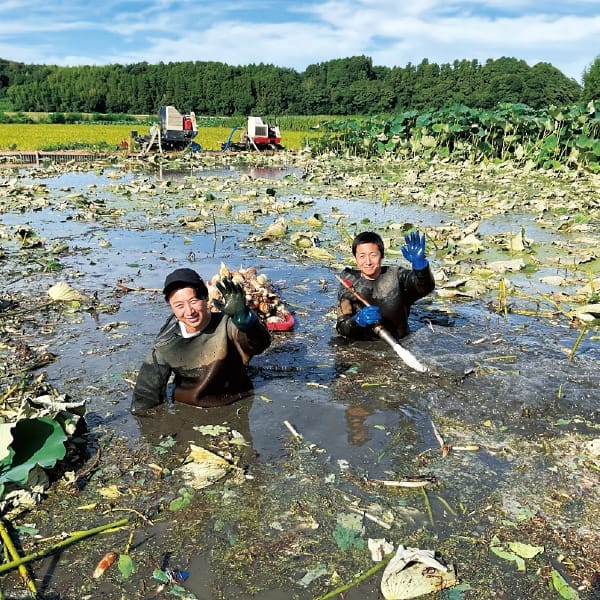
[305, 32]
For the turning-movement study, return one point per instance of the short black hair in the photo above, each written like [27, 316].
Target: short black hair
[368, 237]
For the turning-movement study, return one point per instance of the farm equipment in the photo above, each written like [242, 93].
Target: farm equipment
[258, 136]
[174, 131]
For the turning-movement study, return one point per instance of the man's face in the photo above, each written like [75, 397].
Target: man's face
[368, 260]
[193, 312]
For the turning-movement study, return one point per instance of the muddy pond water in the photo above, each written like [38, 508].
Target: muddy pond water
[499, 385]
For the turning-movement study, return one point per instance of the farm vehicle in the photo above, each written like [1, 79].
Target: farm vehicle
[258, 136]
[174, 131]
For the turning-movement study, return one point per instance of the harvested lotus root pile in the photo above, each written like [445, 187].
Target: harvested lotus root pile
[261, 297]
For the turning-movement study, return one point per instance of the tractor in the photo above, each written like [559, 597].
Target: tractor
[174, 131]
[258, 136]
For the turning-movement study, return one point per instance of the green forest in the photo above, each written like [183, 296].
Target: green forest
[346, 86]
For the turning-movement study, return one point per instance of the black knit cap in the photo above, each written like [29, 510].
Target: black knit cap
[181, 278]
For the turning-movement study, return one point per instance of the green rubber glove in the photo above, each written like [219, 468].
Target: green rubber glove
[234, 304]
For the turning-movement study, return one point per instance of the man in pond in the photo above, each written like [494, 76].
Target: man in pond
[206, 351]
[390, 290]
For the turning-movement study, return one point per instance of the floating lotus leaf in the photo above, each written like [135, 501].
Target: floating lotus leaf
[587, 312]
[525, 550]
[453, 283]
[278, 229]
[203, 467]
[508, 555]
[315, 221]
[318, 254]
[553, 280]
[454, 293]
[63, 292]
[213, 430]
[501, 266]
[516, 243]
[36, 442]
[304, 239]
[471, 242]
[413, 572]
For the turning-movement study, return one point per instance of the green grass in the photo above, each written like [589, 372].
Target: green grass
[46, 137]
[5, 105]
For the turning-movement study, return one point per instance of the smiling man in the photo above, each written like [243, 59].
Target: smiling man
[206, 351]
[391, 290]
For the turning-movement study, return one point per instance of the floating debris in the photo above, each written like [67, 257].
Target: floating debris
[413, 572]
[105, 563]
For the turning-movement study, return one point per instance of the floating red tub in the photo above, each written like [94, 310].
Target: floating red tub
[287, 324]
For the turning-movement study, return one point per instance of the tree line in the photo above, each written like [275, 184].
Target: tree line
[347, 86]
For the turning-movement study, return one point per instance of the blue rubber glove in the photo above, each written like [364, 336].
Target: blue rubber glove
[414, 251]
[234, 304]
[369, 315]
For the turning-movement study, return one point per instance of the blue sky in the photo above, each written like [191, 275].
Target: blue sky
[297, 33]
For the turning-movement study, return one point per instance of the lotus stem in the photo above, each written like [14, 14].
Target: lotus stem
[403, 484]
[129, 542]
[447, 506]
[438, 437]
[577, 342]
[503, 298]
[428, 505]
[9, 393]
[347, 586]
[369, 516]
[12, 551]
[79, 535]
[292, 430]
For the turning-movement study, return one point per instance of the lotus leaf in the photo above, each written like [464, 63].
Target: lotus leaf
[6, 439]
[557, 280]
[303, 239]
[318, 254]
[413, 572]
[562, 587]
[126, 565]
[471, 242]
[507, 555]
[277, 229]
[214, 430]
[587, 312]
[63, 292]
[38, 441]
[315, 221]
[203, 467]
[501, 266]
[525, 550]
[516, 243]
[111, 492]
[312, 574]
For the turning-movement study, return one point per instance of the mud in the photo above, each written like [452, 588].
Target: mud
[501, 383]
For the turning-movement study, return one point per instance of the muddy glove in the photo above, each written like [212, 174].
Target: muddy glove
[414, 251]
[369, 315]
[234, 304]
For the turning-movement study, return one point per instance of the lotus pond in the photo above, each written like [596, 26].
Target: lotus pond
[490, 458]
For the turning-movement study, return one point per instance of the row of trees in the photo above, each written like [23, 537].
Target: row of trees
[345, 86]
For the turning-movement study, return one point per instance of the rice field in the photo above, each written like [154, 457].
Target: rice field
[47, 137]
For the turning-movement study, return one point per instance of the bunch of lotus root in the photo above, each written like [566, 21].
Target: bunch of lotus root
[260, 296]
